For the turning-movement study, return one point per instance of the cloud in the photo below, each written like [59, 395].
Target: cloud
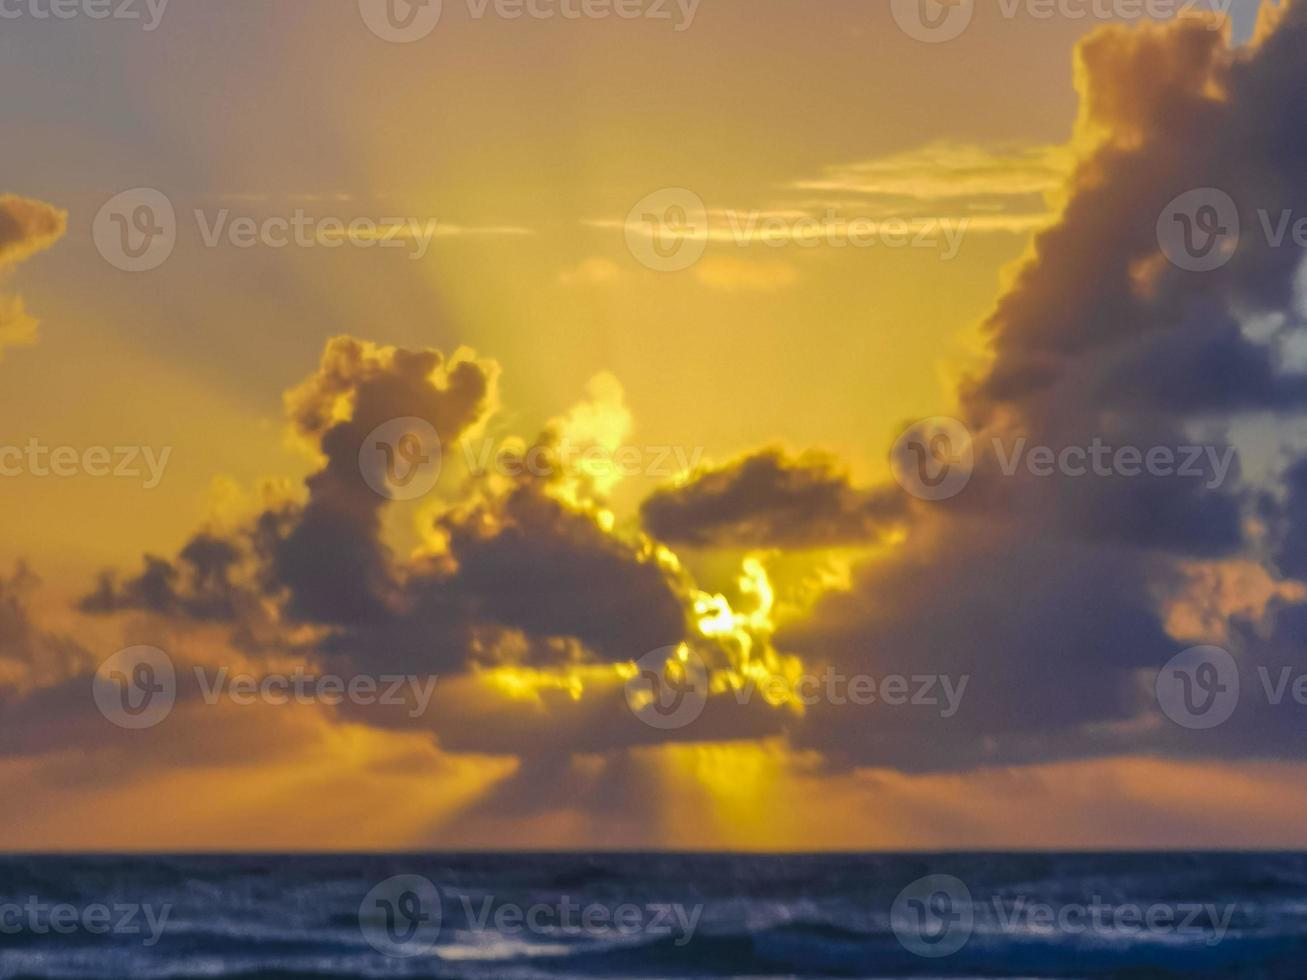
[944, 170]
[592, 271]
[1048, 593]
[771, 500]
[1054, 598]
[1003, 188]
[743, 275]
[26, 227]
[31, 656]
[529, 571]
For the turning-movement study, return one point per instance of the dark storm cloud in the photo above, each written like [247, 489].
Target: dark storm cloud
[552, 571]
[525, 579]
[198, 585]
[1046, 591]
[39, 653]
[770, 500]
[333, 562]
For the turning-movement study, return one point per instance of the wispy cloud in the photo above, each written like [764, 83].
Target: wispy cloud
[945, 171]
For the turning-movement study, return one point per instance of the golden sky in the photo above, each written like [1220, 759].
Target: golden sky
[881, 229]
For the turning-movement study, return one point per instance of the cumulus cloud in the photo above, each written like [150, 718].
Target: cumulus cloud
[529, 573]
[1046, 592]
[770, 499]
[1053, 597]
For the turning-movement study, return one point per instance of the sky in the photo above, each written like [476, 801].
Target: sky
[658, 401]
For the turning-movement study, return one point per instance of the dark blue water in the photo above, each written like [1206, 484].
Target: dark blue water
[518, 917]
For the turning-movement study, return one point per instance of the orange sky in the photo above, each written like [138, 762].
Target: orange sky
[527, 145]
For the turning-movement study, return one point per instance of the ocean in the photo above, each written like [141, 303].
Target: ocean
[598, 916]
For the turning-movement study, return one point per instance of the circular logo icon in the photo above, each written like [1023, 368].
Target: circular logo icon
[667, 231]
[401, 916]
[934, 458]
[401, 21]
[933, 916]
[670, 688]
[932, 21]
[400, 459]
[1199, 230]
[1199, 688]
[136, 230]
[136, 687]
